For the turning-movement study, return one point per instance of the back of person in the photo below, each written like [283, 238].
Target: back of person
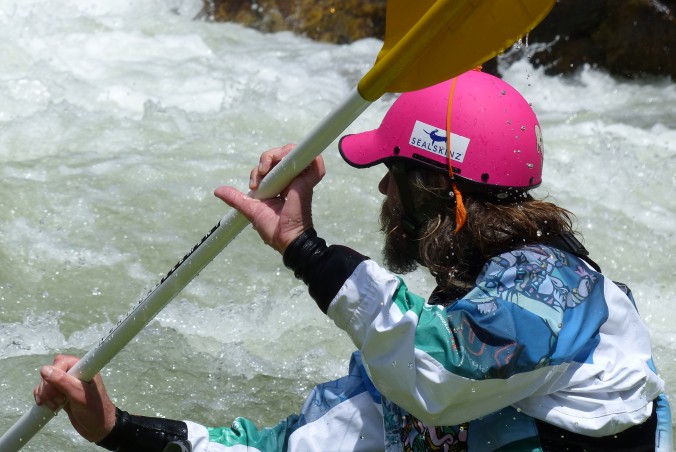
[604, 406]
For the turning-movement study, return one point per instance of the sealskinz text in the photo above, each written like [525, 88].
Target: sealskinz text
[433, 139]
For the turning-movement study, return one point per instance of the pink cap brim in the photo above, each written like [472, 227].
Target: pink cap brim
[363, 150]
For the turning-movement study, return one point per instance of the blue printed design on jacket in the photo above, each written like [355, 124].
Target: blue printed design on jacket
[511, 321]
[406, 433]
[540, 279]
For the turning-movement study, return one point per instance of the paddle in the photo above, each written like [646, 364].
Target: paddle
[426, 42]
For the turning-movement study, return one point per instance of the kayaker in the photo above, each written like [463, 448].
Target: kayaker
[523, 345]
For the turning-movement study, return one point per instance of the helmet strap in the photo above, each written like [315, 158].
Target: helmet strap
[411, 220]
[460, 211]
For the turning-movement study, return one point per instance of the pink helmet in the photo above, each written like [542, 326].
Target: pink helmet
[496, 142]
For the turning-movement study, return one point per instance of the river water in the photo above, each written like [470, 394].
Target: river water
[119, 118]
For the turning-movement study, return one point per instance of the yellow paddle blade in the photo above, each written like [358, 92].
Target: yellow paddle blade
[428, 41]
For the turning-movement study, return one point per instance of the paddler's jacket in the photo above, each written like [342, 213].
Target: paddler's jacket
[544, 353]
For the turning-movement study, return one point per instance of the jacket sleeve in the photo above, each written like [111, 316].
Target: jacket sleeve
[242, 432]
[344, 413]
[445, 366]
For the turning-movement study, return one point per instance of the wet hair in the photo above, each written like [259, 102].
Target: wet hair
[493, 227]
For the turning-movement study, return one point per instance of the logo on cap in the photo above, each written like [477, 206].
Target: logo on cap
[433, 140]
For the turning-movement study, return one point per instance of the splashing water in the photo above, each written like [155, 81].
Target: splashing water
[117, 121]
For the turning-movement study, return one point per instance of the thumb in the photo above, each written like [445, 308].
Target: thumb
[49, 392]
[48, 374]
[59, 380]
[238, 200]
[53, 376]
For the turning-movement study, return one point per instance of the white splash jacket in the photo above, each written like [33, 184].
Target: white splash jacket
[544, 353]
[541, 331]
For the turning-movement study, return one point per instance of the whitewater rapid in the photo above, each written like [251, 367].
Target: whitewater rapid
[117, 121]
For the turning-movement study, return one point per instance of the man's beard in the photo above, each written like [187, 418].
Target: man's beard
[400, 249]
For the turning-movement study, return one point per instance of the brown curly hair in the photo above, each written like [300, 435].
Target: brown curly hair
[493, 227]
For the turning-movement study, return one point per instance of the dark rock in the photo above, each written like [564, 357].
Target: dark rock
[625, 37]
[341, 21]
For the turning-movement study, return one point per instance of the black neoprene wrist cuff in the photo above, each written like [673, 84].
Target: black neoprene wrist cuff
[300, 252]
[324, 269]
[136, 433]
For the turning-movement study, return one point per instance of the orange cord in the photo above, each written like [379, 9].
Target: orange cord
[460, 211]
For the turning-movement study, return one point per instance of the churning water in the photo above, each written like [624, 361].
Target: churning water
[119, 118]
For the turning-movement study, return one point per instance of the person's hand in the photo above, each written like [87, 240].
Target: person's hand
[89, 408]
[278, 220]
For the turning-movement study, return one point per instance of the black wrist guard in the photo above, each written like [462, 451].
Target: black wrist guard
[136, 433]
[302, 251]
[324, 269]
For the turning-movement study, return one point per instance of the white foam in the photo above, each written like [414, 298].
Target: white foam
[117, 121]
